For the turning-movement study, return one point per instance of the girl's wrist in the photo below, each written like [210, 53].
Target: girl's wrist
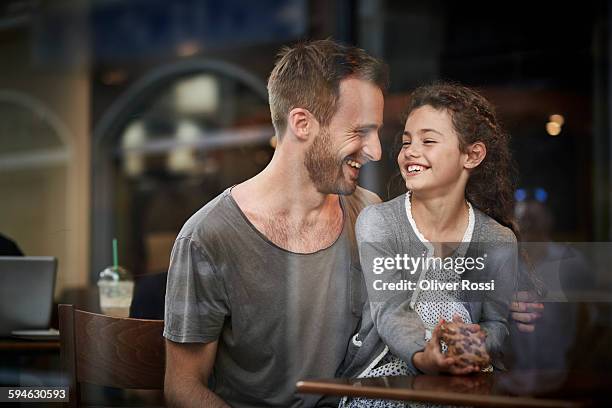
[418, 360]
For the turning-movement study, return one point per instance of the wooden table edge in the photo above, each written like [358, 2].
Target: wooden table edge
[436, 397]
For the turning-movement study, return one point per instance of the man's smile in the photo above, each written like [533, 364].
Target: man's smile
[353, 167]
[353, 163]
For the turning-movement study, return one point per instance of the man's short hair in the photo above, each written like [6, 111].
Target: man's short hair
[308, 75]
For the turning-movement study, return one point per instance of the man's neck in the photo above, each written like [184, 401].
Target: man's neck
[284, 187]
[284, 205]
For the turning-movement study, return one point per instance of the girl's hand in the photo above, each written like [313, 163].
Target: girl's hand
[432, 361]
[475, 328]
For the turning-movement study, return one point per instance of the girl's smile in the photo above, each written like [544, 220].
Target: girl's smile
[414, 169]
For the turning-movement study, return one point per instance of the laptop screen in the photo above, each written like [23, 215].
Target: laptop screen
[26, 292]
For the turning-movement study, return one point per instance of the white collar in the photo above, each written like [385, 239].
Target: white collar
[467, 235]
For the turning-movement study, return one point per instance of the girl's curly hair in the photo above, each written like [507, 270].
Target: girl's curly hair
[490, 187]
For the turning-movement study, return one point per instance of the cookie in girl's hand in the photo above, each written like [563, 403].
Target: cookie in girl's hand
[465, 345]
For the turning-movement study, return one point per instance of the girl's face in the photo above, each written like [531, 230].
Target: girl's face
[430, 159]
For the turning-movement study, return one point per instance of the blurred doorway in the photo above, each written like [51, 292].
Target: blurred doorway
[175, 140]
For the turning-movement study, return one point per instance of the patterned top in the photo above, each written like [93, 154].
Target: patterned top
[432, 306]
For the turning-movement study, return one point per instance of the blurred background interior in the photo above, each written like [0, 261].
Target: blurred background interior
[121, 118]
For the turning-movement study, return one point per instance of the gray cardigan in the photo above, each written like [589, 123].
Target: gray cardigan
[388, 319]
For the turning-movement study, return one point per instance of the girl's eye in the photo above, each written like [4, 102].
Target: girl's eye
[405, 143]
[429, 142]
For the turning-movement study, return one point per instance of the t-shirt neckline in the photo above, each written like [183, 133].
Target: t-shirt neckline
[228, 194]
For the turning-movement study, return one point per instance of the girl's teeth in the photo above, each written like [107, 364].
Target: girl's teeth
[415, 168]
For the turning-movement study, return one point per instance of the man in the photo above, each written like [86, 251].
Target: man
[263, 286]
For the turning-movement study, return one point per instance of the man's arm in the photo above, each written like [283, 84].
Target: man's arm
[188, 366]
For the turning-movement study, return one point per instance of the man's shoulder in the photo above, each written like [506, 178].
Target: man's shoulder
[356, 202]
[211, 217]
[363, 197]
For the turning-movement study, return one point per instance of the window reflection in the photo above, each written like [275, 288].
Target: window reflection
[197, 135]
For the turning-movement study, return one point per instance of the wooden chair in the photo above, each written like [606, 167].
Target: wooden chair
[110, 351]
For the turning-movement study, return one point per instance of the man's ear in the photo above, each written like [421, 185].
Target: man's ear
[302, 124]
[476, 152]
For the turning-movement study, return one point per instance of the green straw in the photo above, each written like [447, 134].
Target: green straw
[115, 257]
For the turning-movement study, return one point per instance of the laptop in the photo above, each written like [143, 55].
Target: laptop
[26, 293]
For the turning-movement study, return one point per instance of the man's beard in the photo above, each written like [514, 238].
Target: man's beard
[324, 169]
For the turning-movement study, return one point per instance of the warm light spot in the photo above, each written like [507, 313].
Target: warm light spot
[558, 119]
[553, 128]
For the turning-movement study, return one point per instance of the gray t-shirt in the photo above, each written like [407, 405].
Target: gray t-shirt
[279, 316]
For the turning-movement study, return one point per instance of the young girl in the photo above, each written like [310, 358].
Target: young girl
[456, 165]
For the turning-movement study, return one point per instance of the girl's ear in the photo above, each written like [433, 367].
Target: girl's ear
[476, 152]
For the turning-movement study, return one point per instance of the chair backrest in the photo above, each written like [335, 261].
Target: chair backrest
[110, 351]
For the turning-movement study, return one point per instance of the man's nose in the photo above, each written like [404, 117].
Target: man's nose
[372, 149]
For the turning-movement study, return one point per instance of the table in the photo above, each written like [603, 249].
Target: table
[29, 362]
[8, 345]
[499, 389]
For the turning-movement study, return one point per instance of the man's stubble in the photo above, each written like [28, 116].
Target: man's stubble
[324, 169]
